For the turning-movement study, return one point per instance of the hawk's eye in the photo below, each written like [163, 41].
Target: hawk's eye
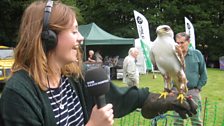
[166, 29]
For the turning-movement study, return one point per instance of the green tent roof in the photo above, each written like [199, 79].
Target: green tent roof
[94, 35]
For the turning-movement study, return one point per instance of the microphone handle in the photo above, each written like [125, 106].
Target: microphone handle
[100, 101]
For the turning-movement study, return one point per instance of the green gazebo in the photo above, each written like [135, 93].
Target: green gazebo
[98, 39]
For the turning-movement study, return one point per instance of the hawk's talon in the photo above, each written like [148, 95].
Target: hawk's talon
[163, 94]
[181, 97]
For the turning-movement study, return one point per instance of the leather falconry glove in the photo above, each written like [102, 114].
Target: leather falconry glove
[155, 106]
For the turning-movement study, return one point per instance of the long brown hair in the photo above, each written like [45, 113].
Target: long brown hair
[29, 53]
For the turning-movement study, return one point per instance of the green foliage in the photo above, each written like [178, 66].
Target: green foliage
[116, 17]
[10, 16]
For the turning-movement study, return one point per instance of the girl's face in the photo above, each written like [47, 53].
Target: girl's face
[68, 44]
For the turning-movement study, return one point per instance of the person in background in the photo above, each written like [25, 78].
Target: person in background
[91, 57]
[130, 71]
[196, 74]
[99, 58]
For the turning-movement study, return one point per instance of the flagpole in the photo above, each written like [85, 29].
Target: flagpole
[153, 73]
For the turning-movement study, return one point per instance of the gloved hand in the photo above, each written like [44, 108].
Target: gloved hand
[155, 106]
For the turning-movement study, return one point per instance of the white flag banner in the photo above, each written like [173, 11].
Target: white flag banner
[142, 26]
[144, 37]
[189, 29]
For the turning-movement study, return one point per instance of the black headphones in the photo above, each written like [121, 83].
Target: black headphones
[49, 37]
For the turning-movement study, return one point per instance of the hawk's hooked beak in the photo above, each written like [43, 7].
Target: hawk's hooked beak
[161, 30]
[158, 31]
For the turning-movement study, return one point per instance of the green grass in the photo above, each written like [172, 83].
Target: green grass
[213, 91]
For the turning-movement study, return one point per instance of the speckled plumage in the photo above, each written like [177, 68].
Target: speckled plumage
[167, 56]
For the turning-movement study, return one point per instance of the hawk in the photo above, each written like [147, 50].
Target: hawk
[168, 57]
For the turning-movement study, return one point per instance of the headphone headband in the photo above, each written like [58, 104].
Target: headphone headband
[49, 37]
[47, 14]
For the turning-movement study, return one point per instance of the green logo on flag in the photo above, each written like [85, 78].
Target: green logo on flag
[145, 49]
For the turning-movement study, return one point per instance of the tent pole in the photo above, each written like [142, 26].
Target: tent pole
[84, 51]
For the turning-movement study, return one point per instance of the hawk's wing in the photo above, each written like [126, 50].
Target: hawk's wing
[152, 57]
[178, 53]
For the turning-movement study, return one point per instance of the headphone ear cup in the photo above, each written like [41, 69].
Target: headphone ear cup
[49, 39]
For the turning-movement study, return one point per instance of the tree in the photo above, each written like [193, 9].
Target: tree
[117, 17]
[10, 17]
